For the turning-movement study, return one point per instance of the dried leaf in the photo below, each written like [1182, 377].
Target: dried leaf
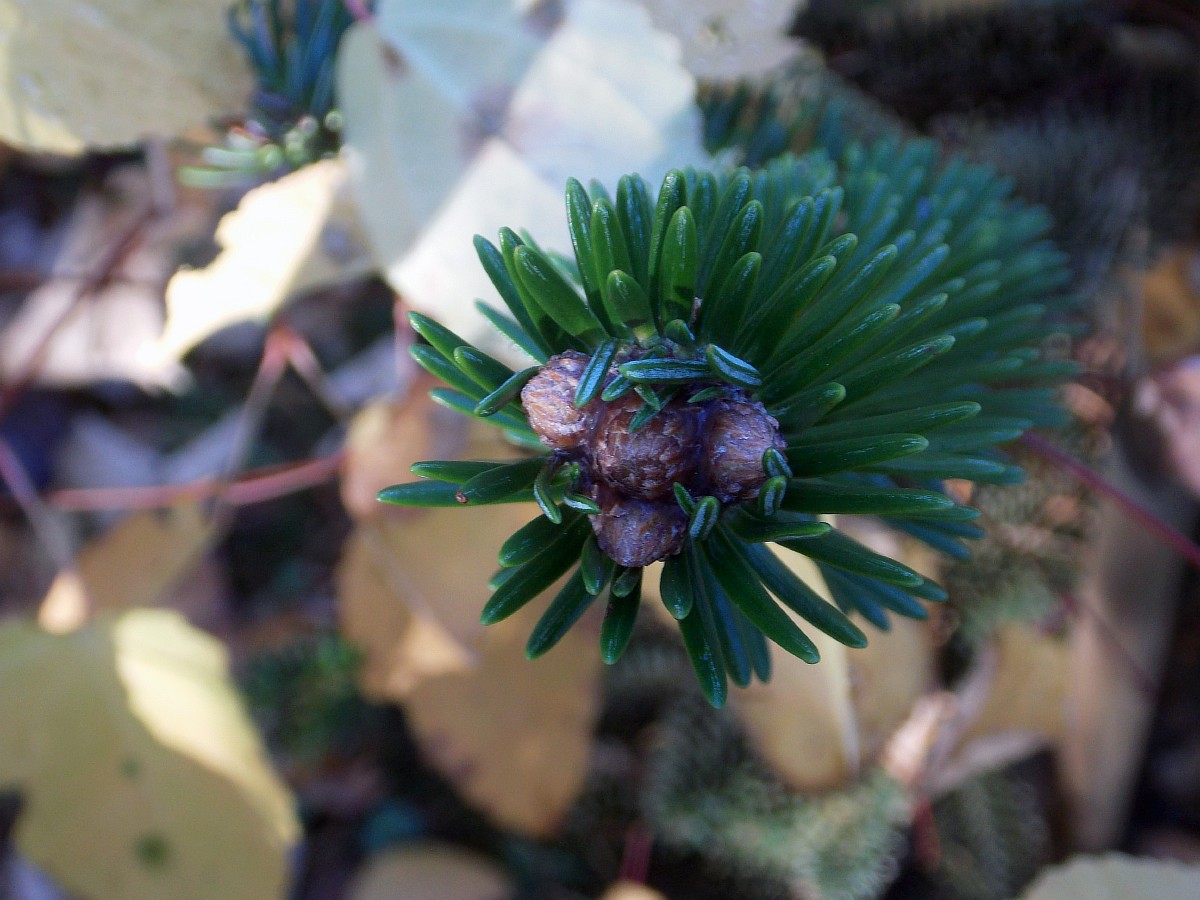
[803, 720]
[292, 235]
[387, 436]
[137, 561]
[1169, 402]
[631, 890]
[132, 564]
[70, 338]
[1170, 295]
[728, 41]
[1116, 877]
[819, 724]
[511, 735]
[1028, 687]
[107, 73]
[462, 121]
[887, 678]
[410, 613]
[430, 871]
[141, 773]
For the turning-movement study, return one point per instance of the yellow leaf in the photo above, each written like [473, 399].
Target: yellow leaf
[65, 606]
[729, 41]
[387, 436]
[631, 890]
[134, 563]
[818, 725]
[140, 558]
[409, 612]
[464, 117]
[1028, 687]
[1116, 877]
[430, 871]
[78, 74]
[141, 773]
[803, 721]
[1170, 305]
[887, 677]
[285, 237]
[512, 735]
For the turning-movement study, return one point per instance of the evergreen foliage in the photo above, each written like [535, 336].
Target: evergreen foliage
[290, 46]
[880, 321]
[706, 792]
[1030, 558]
[304, 697]
[992, 836]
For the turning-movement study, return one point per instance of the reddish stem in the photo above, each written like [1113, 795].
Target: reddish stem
[927, 845]
[1144, 683]
[254, 486]
[1177, 540]
[358, 9]
[635, 863]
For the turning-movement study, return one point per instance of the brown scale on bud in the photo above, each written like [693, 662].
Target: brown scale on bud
[549, 401]
[647, 462]
[737, 432]
[635, 532]
[710, 448]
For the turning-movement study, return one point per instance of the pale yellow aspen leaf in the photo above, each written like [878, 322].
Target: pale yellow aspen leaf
[510, 734]
[513, 736]
[631, 890]
[820, 725]
[727, 41]
[1116, 877]
[138, 560]
[285, 237]
[388, 435]
[413, 611]
[430, 871]
[141, 773]
[410, 614]
[467, 117]
[803, 720]
[1028, 687]
[102, 74]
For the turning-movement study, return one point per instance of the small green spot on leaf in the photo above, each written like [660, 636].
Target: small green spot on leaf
[153, 851]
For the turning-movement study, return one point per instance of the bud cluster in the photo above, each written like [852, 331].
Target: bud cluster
[711, 447]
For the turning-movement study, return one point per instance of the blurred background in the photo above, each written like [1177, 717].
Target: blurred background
[227, 672]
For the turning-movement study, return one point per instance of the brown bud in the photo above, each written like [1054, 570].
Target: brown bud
[636, 532]
[737, 432]
[549, 401]
[647, 462]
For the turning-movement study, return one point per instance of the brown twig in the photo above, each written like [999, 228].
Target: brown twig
[96, 279]
[52, 532]
[20, 279]
[274, 362]
[304, 363]
[45, 523]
